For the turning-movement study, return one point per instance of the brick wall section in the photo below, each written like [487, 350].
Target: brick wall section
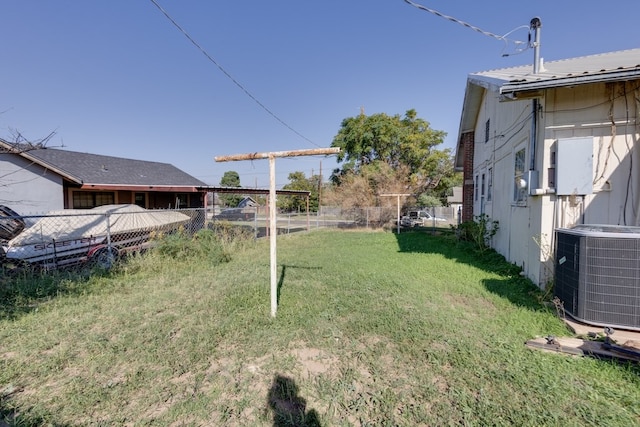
[467, 172]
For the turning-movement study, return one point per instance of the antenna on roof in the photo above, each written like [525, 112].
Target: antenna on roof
[535, 27]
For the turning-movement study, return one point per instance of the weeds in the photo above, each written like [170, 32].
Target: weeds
[548, 266]
[480, 231]
[24, 289]
[205, 244]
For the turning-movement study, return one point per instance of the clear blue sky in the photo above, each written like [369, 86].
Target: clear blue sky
[118, 78]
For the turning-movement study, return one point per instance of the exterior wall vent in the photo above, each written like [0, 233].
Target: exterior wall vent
[597, 274]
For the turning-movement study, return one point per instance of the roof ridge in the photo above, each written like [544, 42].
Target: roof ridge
[563, 60]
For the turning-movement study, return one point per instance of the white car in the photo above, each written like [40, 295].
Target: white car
[417, 218]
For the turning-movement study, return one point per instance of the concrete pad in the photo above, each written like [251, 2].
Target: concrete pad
[619, 335]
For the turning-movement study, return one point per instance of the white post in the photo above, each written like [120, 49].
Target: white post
[272, 202]
[398, 195]
[398, 216]
[273, 229]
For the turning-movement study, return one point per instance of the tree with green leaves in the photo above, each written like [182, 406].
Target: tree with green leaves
[230, 179]
[408, 145]
[298, 181]
[426, 200]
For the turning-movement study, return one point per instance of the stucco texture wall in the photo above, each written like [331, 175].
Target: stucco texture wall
[27, 188]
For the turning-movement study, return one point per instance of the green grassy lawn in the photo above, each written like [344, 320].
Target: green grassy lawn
[373, 329]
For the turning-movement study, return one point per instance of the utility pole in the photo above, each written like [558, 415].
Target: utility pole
[272, 202]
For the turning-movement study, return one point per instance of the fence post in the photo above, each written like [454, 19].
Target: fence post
[255, 223]
[108, 215]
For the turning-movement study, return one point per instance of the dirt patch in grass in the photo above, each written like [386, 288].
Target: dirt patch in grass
[313, 361]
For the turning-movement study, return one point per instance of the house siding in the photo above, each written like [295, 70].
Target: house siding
[27, 188]
[509, 132]
[604, 117]
[606, 114]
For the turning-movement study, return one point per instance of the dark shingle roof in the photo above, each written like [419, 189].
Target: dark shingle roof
[97, 169]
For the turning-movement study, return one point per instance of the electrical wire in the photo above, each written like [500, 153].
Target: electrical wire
[520, 121]
[228, 75]
[592, 106]
[474, 28]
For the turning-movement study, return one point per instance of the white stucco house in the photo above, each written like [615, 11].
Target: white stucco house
[551, 145]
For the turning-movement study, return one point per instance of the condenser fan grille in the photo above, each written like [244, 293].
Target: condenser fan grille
[598, 274]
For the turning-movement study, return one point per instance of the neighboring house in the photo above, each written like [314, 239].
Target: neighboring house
[247, 202]
[551, 146]
[455, 203]
[36, 180]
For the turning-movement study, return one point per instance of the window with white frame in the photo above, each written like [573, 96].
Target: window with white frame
[519, 190]
[475, 190]
[489, 184]
[551, 171]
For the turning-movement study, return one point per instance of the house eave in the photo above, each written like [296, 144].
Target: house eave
[140, 188]
[47, 166]
[517, 90]
[242, 190]
[510, 90]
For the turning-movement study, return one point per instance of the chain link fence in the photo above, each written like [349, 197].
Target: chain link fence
[256, 218]
[386, 217]
[97, 236]
[101, 235]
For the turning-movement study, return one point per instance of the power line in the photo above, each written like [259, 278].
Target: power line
[472, 27]
[226, 73]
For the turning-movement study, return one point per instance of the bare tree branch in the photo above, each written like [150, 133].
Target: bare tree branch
[21, 144]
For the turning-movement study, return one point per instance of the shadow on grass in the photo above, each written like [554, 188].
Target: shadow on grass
[264, 231]
[10, 416]
[515, 288]
[25, 421]
[258, 231]
[289, 409]
[23, 292]
[282, 274]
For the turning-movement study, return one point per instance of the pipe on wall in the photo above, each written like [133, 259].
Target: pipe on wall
[534, 134]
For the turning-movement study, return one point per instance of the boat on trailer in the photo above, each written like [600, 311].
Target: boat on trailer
[102, 234]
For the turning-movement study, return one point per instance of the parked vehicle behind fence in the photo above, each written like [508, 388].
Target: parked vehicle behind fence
[237, 214]
[415, 218]
[100, 235]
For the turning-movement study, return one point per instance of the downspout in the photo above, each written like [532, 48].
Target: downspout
[534, 134]
[534, 26]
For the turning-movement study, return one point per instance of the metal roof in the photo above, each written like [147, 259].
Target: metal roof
[513, 82]
[620, 65]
